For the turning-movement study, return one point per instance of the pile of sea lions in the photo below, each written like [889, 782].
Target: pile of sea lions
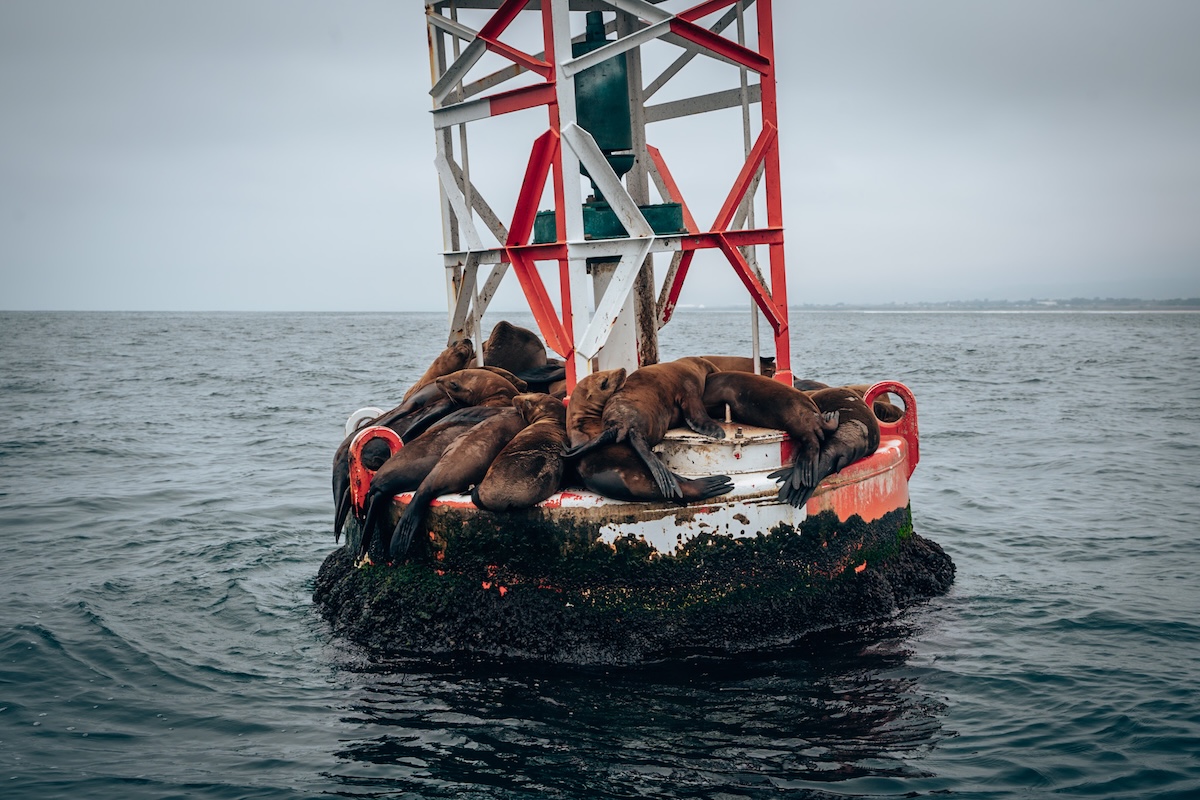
[502, 433]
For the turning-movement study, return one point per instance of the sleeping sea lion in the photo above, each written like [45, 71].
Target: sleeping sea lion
[615, 470]
[455, 357]
[520, 351]
[885, 409]
[463, 464]
[766, 364]
[651, 401]
[530, 468]
[468, 387]
[422, 409]
[405, 470]
[857, 436]
[767, 403]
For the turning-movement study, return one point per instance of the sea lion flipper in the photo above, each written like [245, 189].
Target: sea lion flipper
[607, 437]
[339, 516]
[663, 477]
[829, 421]
[368, 526]
[425, 419]
[697, 418]
[406, 528]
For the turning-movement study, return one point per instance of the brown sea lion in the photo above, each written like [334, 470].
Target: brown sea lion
[520, 351]
[857, 436]
[455, 357]
[885, 409]
[478, 387]
[405, 470]
[530, 468]
[420, 410]
[653, 400]
[515, 348]
[615, 470]
[767, 403]
[766, 364]
[806, 385]
[462, 465]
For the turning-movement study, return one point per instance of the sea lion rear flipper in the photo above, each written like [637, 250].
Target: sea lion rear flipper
[663, 477]
[829, 421]
[704, 488]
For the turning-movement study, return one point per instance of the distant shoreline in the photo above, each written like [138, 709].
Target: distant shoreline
[1074, 304]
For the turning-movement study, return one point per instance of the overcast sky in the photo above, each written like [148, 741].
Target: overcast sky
[277, 154]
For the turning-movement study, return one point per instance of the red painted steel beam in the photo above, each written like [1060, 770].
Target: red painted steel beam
[704, 9]
[539, 303]
[769, 110]
[539, 94]
[503, 17]
[519, 57]
[746, 238]
[668, 310]
[676, 196]
[699, 35]
[775, 315]
[541, 157]
[762, 146]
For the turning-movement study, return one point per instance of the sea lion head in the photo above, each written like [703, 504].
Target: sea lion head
[474, 387]
[536, 406]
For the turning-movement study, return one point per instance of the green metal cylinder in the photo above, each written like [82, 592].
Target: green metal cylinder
[602, 99]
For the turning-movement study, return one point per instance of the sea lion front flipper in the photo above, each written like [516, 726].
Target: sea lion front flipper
[697, 418]
[340, 514]
[607, 437]
[663, 477]
[368, 527]
[426, 418]
[406, 527]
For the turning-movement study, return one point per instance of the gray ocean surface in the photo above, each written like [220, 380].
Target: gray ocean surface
[165, 504]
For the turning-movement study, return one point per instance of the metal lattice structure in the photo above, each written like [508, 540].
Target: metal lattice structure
[619, 327]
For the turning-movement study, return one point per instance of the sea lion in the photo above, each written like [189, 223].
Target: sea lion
[767, 403]
[615, 470]
[405, 470]
[463, 464]
[487, 386]
[421, 409]
[766, 364]
[530, 467]
[453, 358]
[857, 436]
[805, 385]
[515, 348]
[651, 401]
[884, 408]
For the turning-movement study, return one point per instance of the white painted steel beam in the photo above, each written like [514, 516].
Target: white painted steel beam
[702, 104]
[594, 57]
[589, 154]
[633, 252]
[458, 203]
[458, 70]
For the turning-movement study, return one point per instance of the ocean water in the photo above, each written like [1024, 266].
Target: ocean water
[165, 504]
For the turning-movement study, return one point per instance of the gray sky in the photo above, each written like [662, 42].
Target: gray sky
[277, 154]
